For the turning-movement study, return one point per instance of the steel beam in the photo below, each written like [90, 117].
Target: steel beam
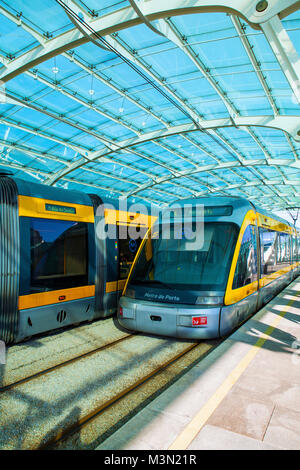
[109, 83]
[254, 61]
[171, 32]
[285, 52]
[126, 145]
[127, 17]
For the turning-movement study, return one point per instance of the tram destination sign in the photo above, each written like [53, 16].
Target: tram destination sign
[57, 208]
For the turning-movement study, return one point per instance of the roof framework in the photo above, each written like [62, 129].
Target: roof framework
[210, 104]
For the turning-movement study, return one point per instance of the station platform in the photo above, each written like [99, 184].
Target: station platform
[244, 395]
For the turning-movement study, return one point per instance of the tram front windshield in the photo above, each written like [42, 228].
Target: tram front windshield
[181, 264]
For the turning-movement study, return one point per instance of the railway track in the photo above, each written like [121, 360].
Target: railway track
[62, 364]
[44, 353]
[80, 401]
[149, 387]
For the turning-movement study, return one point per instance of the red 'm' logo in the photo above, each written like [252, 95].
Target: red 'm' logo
[199, 321]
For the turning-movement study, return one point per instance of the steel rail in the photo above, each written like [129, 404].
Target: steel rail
[63, 364]
[80, 423]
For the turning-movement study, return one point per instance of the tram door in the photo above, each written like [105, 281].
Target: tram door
[128, 248]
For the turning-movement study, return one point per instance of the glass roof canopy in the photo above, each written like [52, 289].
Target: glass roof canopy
[184, 98]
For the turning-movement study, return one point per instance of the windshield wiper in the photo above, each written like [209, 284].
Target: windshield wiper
[147, 282]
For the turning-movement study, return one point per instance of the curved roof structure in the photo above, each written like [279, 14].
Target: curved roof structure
[154, 100]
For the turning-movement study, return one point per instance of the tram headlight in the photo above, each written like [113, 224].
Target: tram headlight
[127, 313]
[209, 300]
[184, 320]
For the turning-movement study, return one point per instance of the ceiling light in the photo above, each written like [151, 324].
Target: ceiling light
[262, 6]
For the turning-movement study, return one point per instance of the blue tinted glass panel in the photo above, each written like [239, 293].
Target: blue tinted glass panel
[59, 256]
[246, 268]
[180, 264]
[275, 251]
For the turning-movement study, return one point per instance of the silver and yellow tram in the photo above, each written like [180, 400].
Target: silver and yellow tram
[57, 267]
[207, 288]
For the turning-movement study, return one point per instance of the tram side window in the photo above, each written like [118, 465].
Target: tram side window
[275, 250]
[295, 250]
[283, 250]
[268, 244]
[246, 268]
[59, 254]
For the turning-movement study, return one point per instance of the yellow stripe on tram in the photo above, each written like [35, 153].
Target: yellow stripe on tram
[48, 209]
[56, 296]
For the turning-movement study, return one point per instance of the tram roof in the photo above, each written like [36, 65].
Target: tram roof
[224, 203]
[153, 100]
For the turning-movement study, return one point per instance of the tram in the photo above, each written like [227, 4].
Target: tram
[57, 266]
[242, 257]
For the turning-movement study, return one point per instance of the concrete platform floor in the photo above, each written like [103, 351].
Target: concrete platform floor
[243, 395]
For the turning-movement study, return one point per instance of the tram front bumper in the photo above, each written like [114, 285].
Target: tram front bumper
[181, 321]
